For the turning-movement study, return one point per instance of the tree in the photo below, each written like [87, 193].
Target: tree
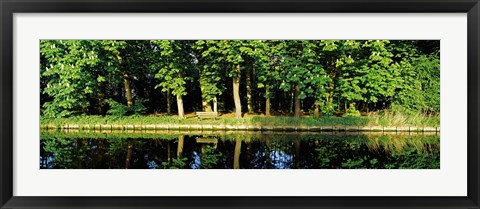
[381, 76]
[420, 89]
[327, 76]
[419, 68]
[268, 57]
[230, 55]
[210, 71]
[173, 64]
[67, 71]
[302, 71]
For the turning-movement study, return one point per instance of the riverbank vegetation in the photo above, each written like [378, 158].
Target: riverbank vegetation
[292, 82]
[374, 119]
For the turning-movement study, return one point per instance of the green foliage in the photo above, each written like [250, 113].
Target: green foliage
[173, 63]
[352, 111]
[74, 74]
[210, 157]
[210, 68]
[119, 110]
[302, 67]
[421, 85]
[381, 152]
[67, 73]
[76, 153]
[177, 163]
[411, 158]
[81, 77]
[327, 107]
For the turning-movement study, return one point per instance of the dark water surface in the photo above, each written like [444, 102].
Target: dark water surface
[239, 150]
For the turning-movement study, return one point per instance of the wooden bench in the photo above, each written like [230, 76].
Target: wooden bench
[206, 114]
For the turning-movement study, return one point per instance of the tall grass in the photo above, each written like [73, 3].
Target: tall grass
[392, 118]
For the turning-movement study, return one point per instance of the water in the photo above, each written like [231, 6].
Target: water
[239, 150]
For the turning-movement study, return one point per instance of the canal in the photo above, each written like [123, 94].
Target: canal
[239, 150]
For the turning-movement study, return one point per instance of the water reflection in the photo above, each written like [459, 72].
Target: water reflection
[246, 150]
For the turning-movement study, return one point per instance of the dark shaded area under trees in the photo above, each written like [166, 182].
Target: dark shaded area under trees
[287, 77]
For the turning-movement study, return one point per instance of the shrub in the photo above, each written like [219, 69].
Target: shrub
[352, 111]
[119, 110]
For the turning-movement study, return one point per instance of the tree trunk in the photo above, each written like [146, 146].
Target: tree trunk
[181, 113]
[169, 107]
[316, 111]
[215, 104]
[297, 101]
[330, 95]
[248, 152]
[101, 99]
[267, 154]
[180, 146]
[205, 104]
[292, 101]
[297, 153]
[236, 92]
[236, 155]
[169, 154]
[128, 89]
[267, 101]
[126, 81]
[248, 80]
[129, 155]
[206, 107]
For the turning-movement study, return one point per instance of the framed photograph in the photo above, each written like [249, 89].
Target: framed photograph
[265, 104]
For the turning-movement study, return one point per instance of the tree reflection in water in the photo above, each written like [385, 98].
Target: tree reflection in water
[246, 150]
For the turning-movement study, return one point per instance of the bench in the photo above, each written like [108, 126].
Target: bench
[206, 114]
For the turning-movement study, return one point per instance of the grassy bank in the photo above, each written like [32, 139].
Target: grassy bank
[385, 119]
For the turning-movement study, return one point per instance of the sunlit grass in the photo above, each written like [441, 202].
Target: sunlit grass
[389, 118]
[372, 119]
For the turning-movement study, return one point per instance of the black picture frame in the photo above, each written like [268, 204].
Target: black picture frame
[9, 7]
